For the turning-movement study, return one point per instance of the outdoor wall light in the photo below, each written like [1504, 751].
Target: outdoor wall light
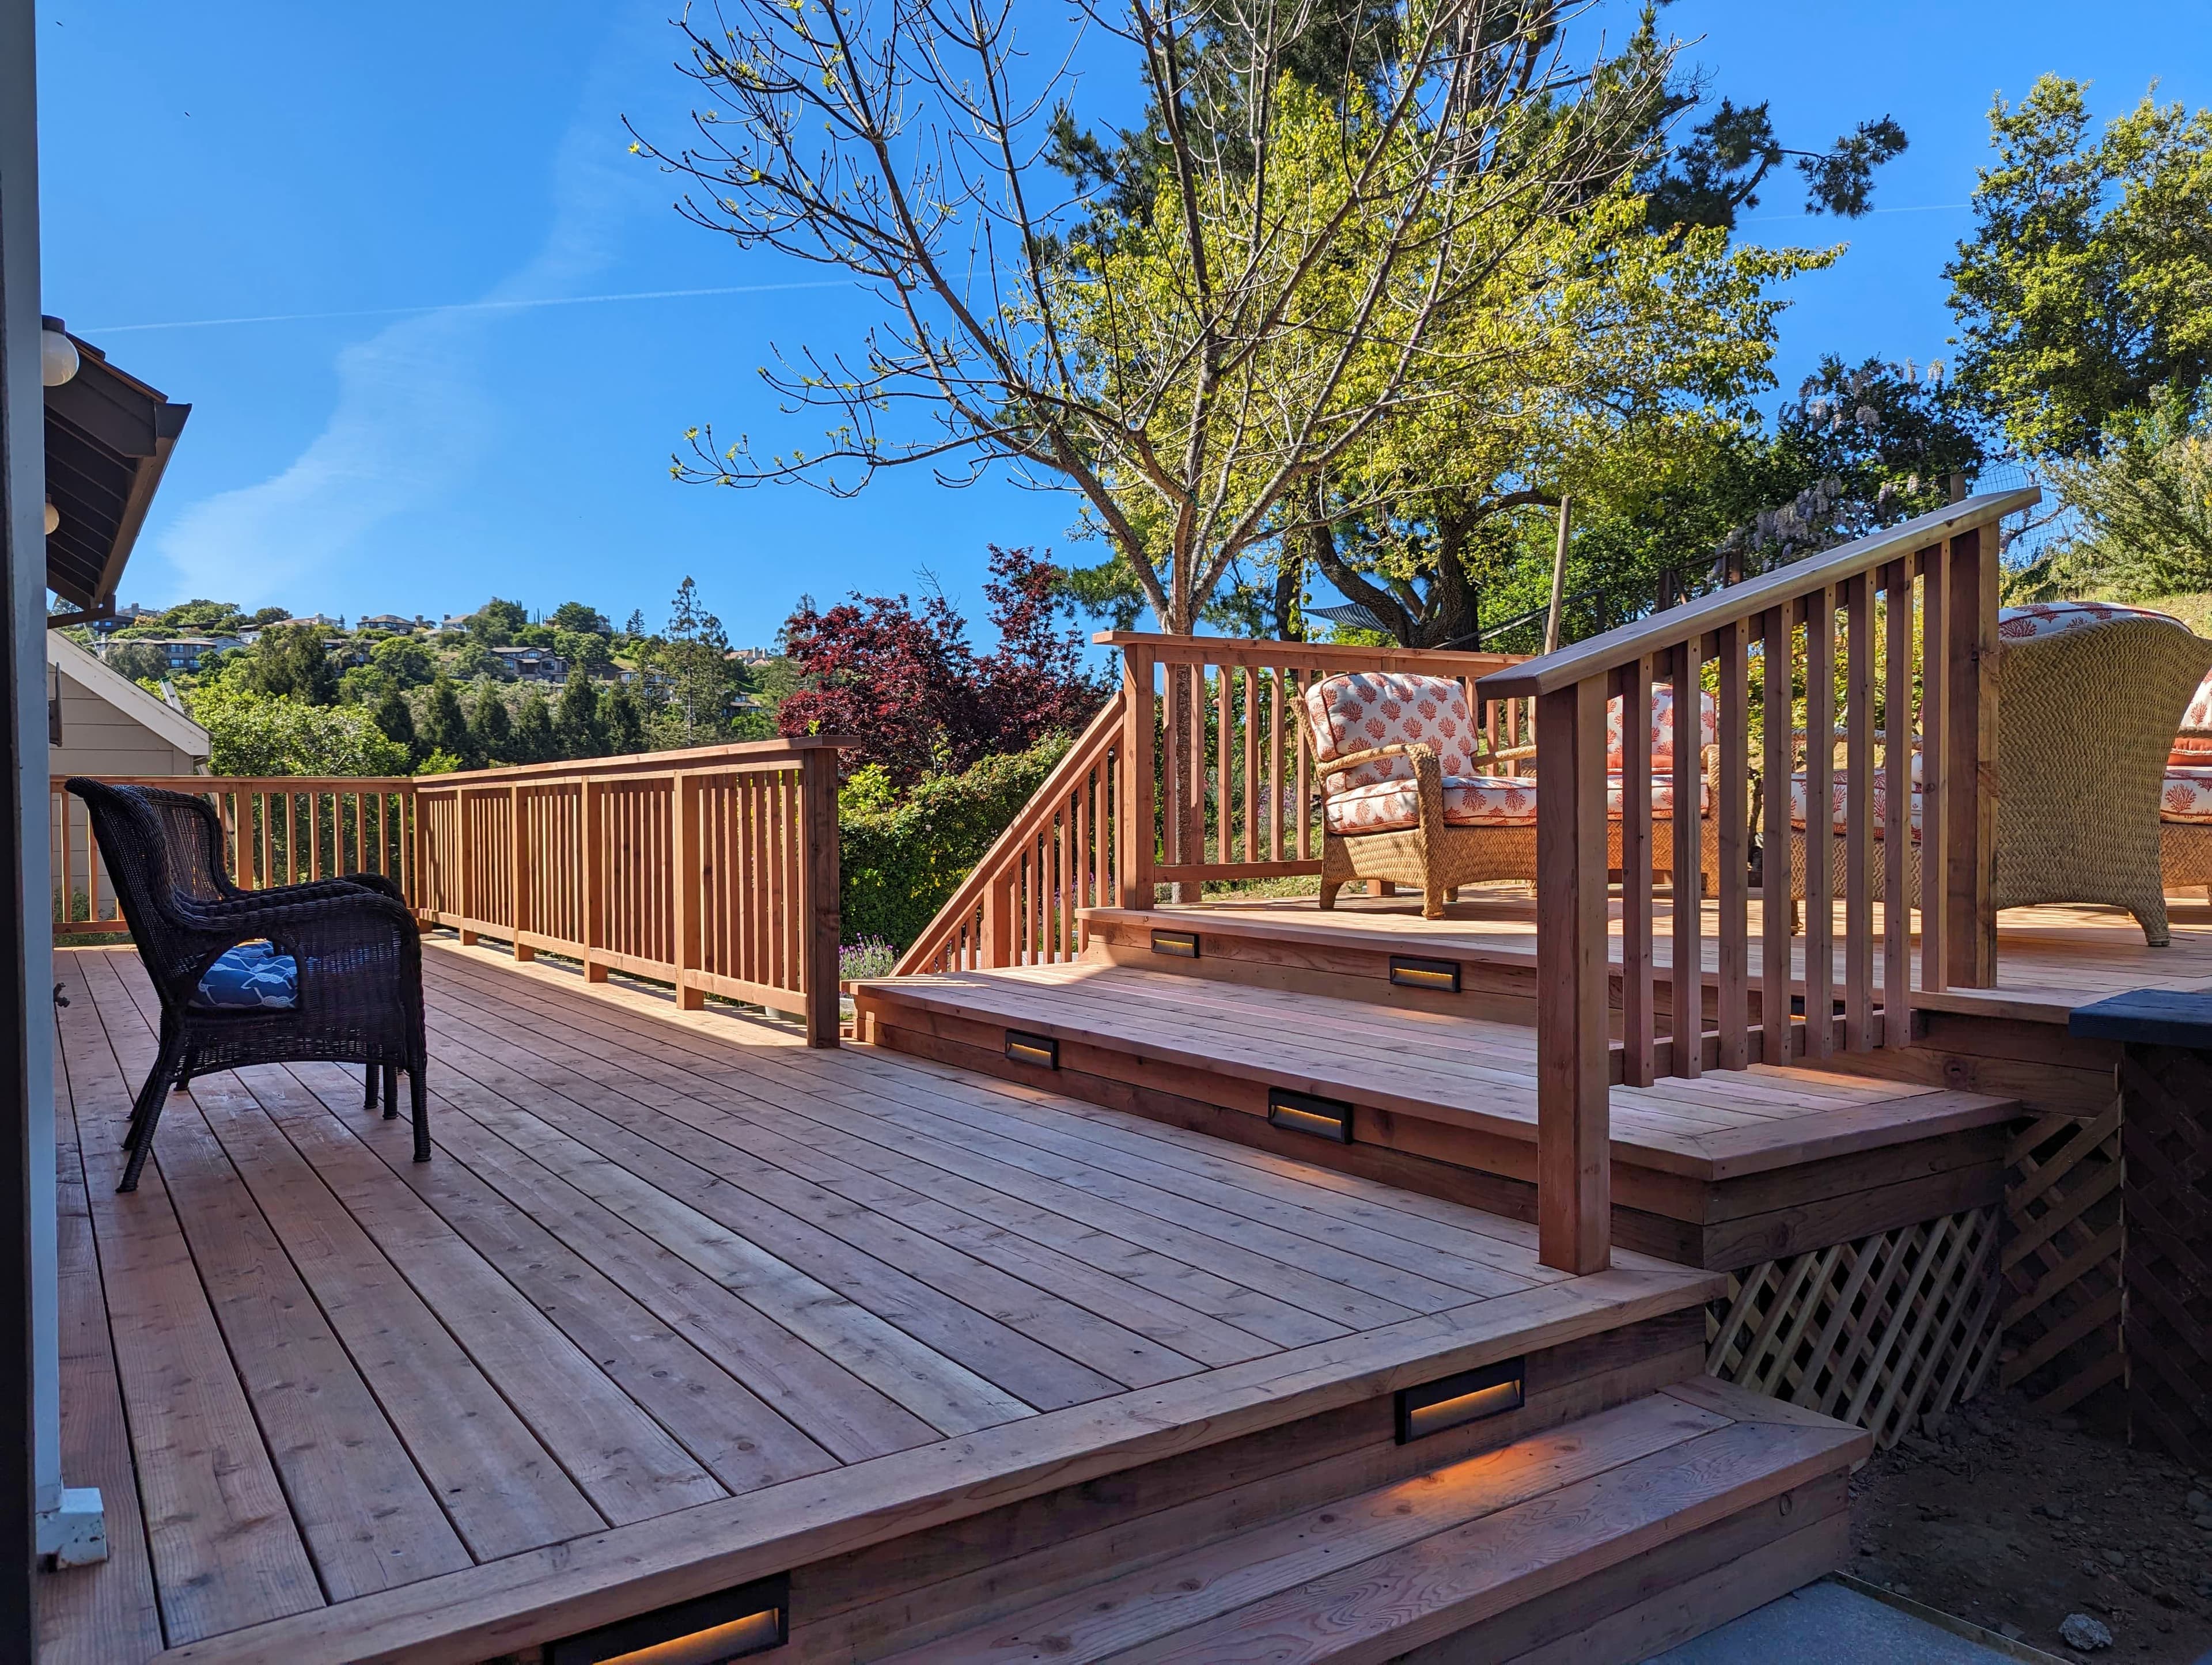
[1024, 1048]
[58, 358]
[1488, 1391]
[732, 1624]
[1302, 1113]
[1182, 944]
[53, 519]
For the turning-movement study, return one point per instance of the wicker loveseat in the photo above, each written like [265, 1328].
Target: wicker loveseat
[1404, 803]
[2090, 695]
[328, 972]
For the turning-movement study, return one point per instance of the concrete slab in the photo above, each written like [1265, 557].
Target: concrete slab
[1837, 1626]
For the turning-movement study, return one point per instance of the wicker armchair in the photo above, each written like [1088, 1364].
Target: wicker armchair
[2089, 698]
[1402, 802]
[357, 990]
[2185, 808]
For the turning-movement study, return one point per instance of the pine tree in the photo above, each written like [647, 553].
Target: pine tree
[576, 727]
[490, 730]
[445, 726]
[622, 722]
[394, 717]
[534, 741]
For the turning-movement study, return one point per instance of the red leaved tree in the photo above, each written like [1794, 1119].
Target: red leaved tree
[905, 681]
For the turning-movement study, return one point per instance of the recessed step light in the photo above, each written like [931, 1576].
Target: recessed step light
[1407, 971]
[1469, 1396]
[1024, 1048]
[1182, 944]
[1302, 1113]
[732, 1624]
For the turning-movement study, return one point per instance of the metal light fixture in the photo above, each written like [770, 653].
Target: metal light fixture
[58, 358]
[1302, 1113]
[53, 519]
[733, 1624]
[1471, 1395]
[1024, 1048]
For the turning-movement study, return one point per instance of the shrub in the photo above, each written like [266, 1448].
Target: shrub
[252, 734]
[901, 860]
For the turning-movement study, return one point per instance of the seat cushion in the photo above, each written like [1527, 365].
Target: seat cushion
[1838, 789]
[1358, 711]
[2191, 753]
[252, 977]
[1470, 800]
[1663, 728]
[2187, 797]
[2038, 619]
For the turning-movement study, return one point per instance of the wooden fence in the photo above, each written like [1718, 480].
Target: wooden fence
[1892, 641]
[714, 869]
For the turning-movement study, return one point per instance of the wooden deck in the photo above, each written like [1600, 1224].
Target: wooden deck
[678, 1303]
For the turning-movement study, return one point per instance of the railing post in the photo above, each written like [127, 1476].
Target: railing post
[683, 831]
[998, 923]
[518, 874]
[1134, 812]
[595, 884]
[820, 927]
[1574, 1177]
[1970, 923]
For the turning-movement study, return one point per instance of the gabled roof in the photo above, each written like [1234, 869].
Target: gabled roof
[108, 438]
[145, 709]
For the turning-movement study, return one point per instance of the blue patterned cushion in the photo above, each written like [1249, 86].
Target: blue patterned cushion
[254, 974]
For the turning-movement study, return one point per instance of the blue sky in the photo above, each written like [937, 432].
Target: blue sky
[417, 204]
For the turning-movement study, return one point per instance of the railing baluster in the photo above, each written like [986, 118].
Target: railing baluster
[1732, 811]
[1934, 765]
[1685, 949]
[1819, 822]
[1896, 831]
[1778, 709]
[1638, 1021]
[1858, 818]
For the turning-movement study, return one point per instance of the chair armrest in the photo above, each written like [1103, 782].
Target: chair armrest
[1414, 750]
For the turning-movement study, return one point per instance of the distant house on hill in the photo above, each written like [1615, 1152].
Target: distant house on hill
[538, 665]
[184, 653]
[394, 623]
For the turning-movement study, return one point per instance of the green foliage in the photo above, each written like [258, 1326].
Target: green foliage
[577, 730]
[136, 661]
[2086, 283]
[497, 621]
[576, 616]
[533, 740]
[623, 721]
[900, 858]
[290, 662]
[2145, 504]
[441, 762]
[490, 725]
[445, 726]
[395, 718]
[407, 662]
[252, 733]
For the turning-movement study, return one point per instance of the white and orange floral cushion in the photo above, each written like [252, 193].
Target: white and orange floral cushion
[2194, 753]
[1476, 800]
[1839, 796]
[1663, 728]
[2038, 619]
[2187, 797]
[1358, 711]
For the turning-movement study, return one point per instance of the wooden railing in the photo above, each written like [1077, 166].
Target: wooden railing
[277, 829]
[1020, 904]
[714, 869]
[1904, 623]
[1220, 765]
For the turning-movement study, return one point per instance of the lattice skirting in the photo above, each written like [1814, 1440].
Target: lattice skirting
[2168, 1260]
[1880, 1332]
[2060, 1258]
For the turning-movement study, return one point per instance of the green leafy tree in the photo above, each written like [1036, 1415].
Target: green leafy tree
[2144, 504]
[290, 662]
[2088, 281]
[395, 720]
[136, 660]
[493, 624]
[579, 618]
[251, 733]
[473, 660]
[622, 720]
[407, 662]
[586, 653]
[533, 740]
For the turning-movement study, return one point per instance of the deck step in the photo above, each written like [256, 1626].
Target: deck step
[1599, 1540]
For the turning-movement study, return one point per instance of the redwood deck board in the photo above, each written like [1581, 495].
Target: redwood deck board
[674, 1288]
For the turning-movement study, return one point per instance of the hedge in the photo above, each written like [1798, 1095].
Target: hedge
[901, 860]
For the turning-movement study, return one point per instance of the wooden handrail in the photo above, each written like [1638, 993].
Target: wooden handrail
[1936, 686]
[987, 887]
[1740, 602]
[1324, 656]
[645, 762]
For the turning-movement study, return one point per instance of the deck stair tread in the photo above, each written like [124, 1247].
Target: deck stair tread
[1371, 1576]
[1475, 1071]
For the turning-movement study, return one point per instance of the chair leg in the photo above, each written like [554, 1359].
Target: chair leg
[368, 1087]
[391, 1091]
[421, 1099]
[146, 1114]
[1329, 887]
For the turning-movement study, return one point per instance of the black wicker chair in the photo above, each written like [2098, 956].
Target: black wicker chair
[358, 992]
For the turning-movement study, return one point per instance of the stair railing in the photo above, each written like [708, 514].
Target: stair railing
[1890, 641]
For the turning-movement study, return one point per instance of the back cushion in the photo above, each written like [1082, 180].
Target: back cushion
[1662, 729]
[1356, 711]
[2051, 618]
[2196, 753]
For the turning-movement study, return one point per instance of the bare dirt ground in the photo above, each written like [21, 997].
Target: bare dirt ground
[2014, 1520]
